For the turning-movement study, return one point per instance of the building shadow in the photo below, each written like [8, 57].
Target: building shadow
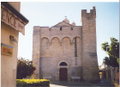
[83, 84]
[69, 84]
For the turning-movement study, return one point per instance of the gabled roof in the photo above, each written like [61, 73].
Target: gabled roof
[63, 23]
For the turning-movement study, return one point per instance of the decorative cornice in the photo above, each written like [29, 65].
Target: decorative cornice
[13, 10]
[12, 17]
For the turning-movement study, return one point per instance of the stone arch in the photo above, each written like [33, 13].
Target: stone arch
[66, 45]
[55, 47]
[78, 37]
[63, 61]
[66, 41]
[78, 40]
[45, 38]
[77, 46]
[55, 40]
[68, 38]
[45, 41]
[63, 64]
[44, 45]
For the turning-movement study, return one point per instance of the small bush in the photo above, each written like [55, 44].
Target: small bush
[25, 68]
[32, 83]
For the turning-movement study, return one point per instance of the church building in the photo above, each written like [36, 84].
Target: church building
[67, 52]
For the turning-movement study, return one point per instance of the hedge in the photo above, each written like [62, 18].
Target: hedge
[32, 83]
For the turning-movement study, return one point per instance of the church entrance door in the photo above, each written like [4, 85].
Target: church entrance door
[63, 74]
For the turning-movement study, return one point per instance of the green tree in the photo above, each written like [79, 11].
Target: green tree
[112, 50]
[106, 61]
[24, 68]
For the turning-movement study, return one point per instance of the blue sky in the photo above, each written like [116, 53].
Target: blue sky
[50, 13]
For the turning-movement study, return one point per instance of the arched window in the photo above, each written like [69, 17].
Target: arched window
[75, 46]
[63, 64]
[60, 28]
[71, 28]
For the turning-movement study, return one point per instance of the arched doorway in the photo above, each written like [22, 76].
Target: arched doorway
[63, 74]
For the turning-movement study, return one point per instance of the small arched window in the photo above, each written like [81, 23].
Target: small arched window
[63, 64]
[60, 28]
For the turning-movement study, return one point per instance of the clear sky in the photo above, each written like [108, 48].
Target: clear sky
[50, 13]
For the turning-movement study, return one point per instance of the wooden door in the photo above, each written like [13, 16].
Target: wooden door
[63, 74]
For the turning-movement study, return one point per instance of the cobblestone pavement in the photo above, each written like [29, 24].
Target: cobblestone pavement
[80, 84]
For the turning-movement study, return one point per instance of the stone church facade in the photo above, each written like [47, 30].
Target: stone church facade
[66, 52]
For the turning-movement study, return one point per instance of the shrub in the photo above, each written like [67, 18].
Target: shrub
[32, 83]
[24, 68]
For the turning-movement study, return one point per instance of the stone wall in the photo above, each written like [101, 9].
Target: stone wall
[56, 32]
[64, 42]
[12, 22]
[8, 62]
[56, 46]
[36, 51]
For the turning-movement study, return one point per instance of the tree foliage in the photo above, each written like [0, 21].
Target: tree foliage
[24, 68]
[112, 50]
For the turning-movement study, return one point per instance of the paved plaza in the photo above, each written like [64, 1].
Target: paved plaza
[81, 84]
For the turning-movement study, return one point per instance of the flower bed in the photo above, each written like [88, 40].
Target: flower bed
[32, 83]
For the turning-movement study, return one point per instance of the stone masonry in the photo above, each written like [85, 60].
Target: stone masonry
[66, 52]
